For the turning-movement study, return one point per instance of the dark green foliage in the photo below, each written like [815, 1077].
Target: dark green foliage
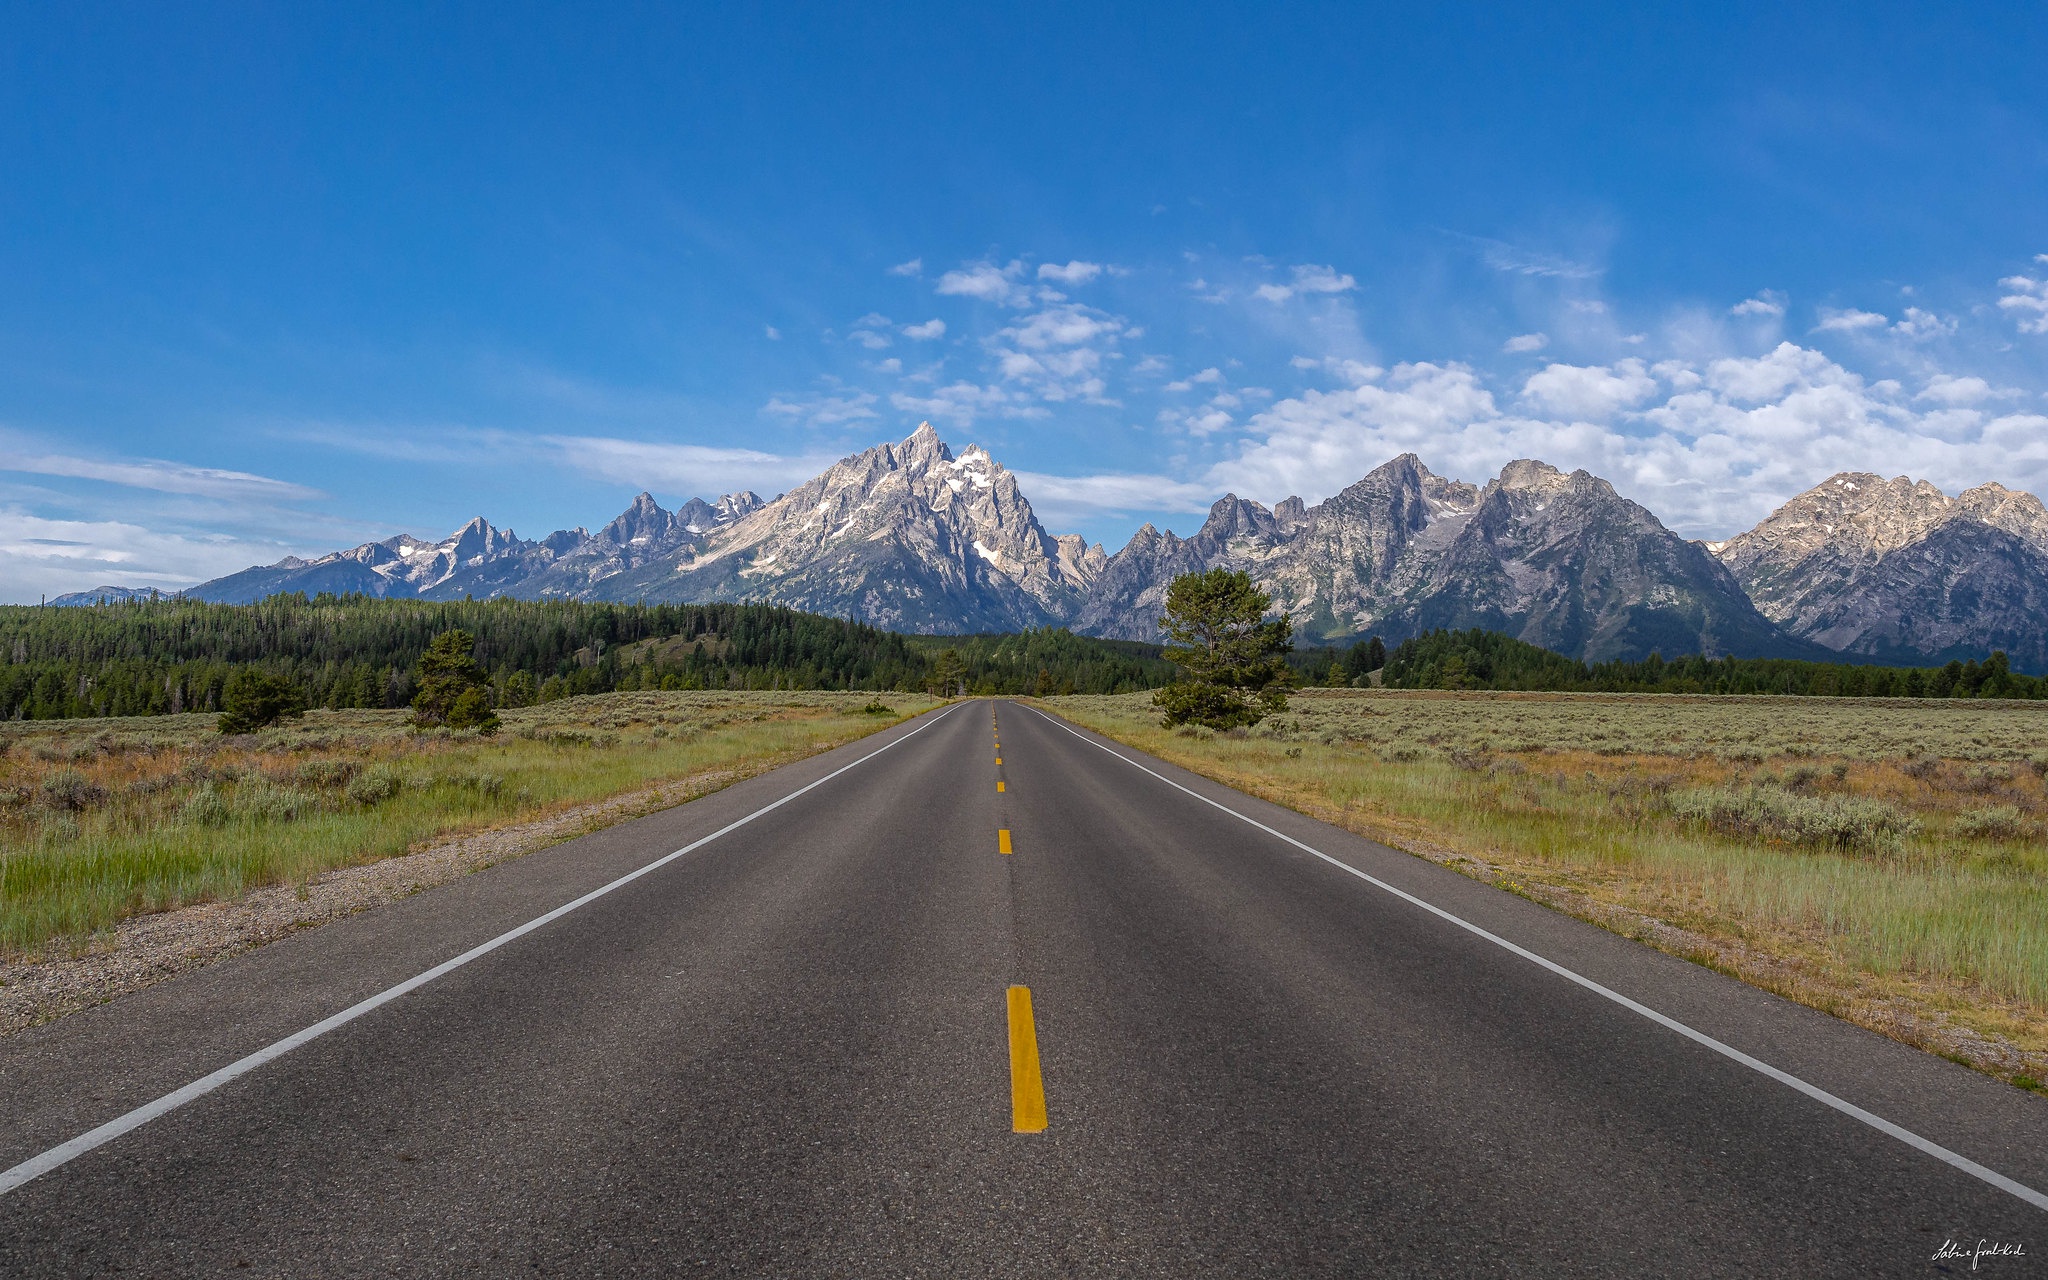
[452, 688]
[1490, 660]
[254, 699]
[170, 655]
[1048, 661]
[1340, 667]
[949, 674]
[1235, 658]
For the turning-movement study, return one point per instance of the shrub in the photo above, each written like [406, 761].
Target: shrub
[374, 786]
[878, 708]
[207, 807]
[255, 700]
[72, 790]
[1999, 822]
[326, 773]
[265, 801]
[1769, 813]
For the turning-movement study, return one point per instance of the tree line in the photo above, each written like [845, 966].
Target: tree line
[147, 657]
[1490, 660]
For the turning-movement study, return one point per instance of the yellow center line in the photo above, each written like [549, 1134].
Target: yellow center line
[999, 784]
[1027, 1090]
[999, 759]
[1003, 841]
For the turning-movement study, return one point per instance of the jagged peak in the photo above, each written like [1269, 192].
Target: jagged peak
[1530, 473]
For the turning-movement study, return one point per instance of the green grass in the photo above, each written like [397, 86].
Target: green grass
[104, 820]
[1868, 850]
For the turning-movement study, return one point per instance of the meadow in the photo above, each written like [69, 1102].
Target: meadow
[1882, 859]
[107, 818]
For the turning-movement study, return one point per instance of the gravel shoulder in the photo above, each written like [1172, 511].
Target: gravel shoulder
[145, 950]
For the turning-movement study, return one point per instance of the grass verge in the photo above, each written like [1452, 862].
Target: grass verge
[1881, 860]
[103, 820]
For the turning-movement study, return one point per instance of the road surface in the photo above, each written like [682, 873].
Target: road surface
[935, 1015]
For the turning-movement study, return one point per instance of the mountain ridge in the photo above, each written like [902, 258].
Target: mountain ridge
[910, 536]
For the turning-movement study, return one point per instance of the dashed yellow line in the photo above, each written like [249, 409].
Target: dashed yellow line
[1003, 841]
[1027, 1088]
[999, 784]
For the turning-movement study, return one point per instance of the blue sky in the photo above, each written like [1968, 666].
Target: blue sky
[281, 279]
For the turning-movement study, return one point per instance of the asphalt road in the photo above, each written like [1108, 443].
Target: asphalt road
[793, 1051]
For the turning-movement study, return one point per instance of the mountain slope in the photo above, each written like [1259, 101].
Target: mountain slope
[1560, 561]
[904, 536]
[1897, 570]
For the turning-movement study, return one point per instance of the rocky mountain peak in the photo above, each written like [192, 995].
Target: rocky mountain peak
[2018, 513]
[1884, 568]
[1235, 517]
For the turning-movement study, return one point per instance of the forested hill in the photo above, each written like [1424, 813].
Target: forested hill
[1489, 660]
[152, 657]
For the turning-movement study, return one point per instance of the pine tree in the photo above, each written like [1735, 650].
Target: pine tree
[1235, 658]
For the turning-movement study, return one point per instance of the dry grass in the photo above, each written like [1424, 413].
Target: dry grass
[105, 819]
[1879, 859]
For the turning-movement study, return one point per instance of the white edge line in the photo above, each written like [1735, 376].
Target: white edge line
[1992, 1176]
[36, 1166]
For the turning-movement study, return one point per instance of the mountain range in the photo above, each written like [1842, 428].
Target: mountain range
[912, 537]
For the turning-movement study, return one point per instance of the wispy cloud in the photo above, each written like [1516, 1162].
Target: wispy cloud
[1768, 302]
[43, 556]
[151, 473]
[1069, 500]
[914, 267]
[682, 469]
[1514, 259]
[960, 403]
[1524, 342]
[930, 329]
[824, 410]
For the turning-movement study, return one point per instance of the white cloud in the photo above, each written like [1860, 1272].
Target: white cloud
[871, 331]
[987, 282]
[1073, 274]
[1525, 342]
[774, 334]
[1058, 354]
[1848, 320]
[21, 455]
[914, 267]
[1207, 376]
[1769, 302]
[1070, 500]
[1711, 448]
[1589, 391]
[962, 402]
[824, 410]
[1918, 324]
[2027, 301]
[926, 331]
[1307, 278]
[1950, 390]
[891, 365]
[699, 470]
[1305, 362]
[42, 556]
